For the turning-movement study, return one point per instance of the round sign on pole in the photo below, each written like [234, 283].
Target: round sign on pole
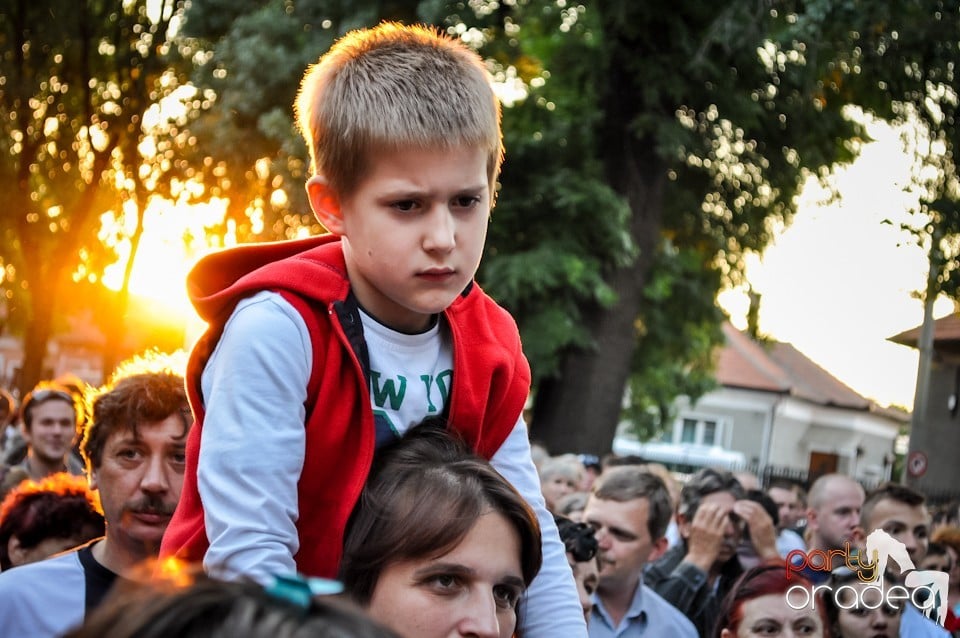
[917, 464]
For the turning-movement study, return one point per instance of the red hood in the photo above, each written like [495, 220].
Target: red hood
[218, 280]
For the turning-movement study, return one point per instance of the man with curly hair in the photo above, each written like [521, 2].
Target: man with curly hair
[133, 446]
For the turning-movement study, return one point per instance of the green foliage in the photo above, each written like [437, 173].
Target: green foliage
[674, 357]
[902, 66]
[728, 100]
[649, 148]
[239, 138]
[77, 82]
[652, 145]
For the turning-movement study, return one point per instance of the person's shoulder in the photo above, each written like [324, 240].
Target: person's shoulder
[661, 567]
[915, 624]
[45, 598]
[792, 534]
[34, 583]
[58, 564]
[661, 613]
[789, 541]
[311, 268]
[475, 304]
[488, 324]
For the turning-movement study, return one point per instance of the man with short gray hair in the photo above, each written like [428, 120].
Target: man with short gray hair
[629, 509]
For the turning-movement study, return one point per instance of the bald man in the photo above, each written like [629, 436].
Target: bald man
[833, 518]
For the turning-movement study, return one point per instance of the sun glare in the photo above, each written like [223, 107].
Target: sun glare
[173, 239]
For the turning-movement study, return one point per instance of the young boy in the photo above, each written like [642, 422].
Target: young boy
[320, 350]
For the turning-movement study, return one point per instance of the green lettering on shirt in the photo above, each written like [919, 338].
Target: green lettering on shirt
[444, 382]
[427, 382]
[388, 392]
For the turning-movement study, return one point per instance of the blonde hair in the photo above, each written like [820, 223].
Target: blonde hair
[567, 466]
[390, 87]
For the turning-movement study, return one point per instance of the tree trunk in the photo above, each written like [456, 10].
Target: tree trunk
[36, 338]
[579, 410]
[114, 328]
[117, 323]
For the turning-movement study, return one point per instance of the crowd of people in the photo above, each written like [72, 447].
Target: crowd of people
[345, 452]
[740, 550]
[441, 544]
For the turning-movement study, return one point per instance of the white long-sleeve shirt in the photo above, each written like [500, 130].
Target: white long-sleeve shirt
[252, 450]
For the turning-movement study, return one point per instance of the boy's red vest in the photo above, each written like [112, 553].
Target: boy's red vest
[490, 384]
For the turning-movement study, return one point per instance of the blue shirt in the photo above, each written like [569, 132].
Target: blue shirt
[913, 624]
[649, 616]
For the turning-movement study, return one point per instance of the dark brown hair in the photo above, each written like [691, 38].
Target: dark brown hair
[210, 607]
[146, 390]
[840, 577]
[704, 482]
[628, 482]
[889, 492]
[423, 496]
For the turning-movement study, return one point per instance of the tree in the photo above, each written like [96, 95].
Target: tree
[534, 264]
[909, 55]
[705, 121]
[78, 79]
[649, 146]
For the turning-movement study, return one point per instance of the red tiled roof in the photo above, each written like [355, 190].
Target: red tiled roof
[812, 382]
[779, 367]
[944, 329]
[743, 363]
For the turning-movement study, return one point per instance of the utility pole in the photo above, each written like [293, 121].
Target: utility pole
[919, 426]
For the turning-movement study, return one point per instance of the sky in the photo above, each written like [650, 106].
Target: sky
[837, 282]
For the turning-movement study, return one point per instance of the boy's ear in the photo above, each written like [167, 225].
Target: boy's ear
[325, 204]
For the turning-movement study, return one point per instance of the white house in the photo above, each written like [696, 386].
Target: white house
[783, 412]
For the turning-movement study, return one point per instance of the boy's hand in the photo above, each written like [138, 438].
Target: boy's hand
[763, 534]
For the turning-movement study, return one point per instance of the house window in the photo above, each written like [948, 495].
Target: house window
[709, 432]
[699, 431]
